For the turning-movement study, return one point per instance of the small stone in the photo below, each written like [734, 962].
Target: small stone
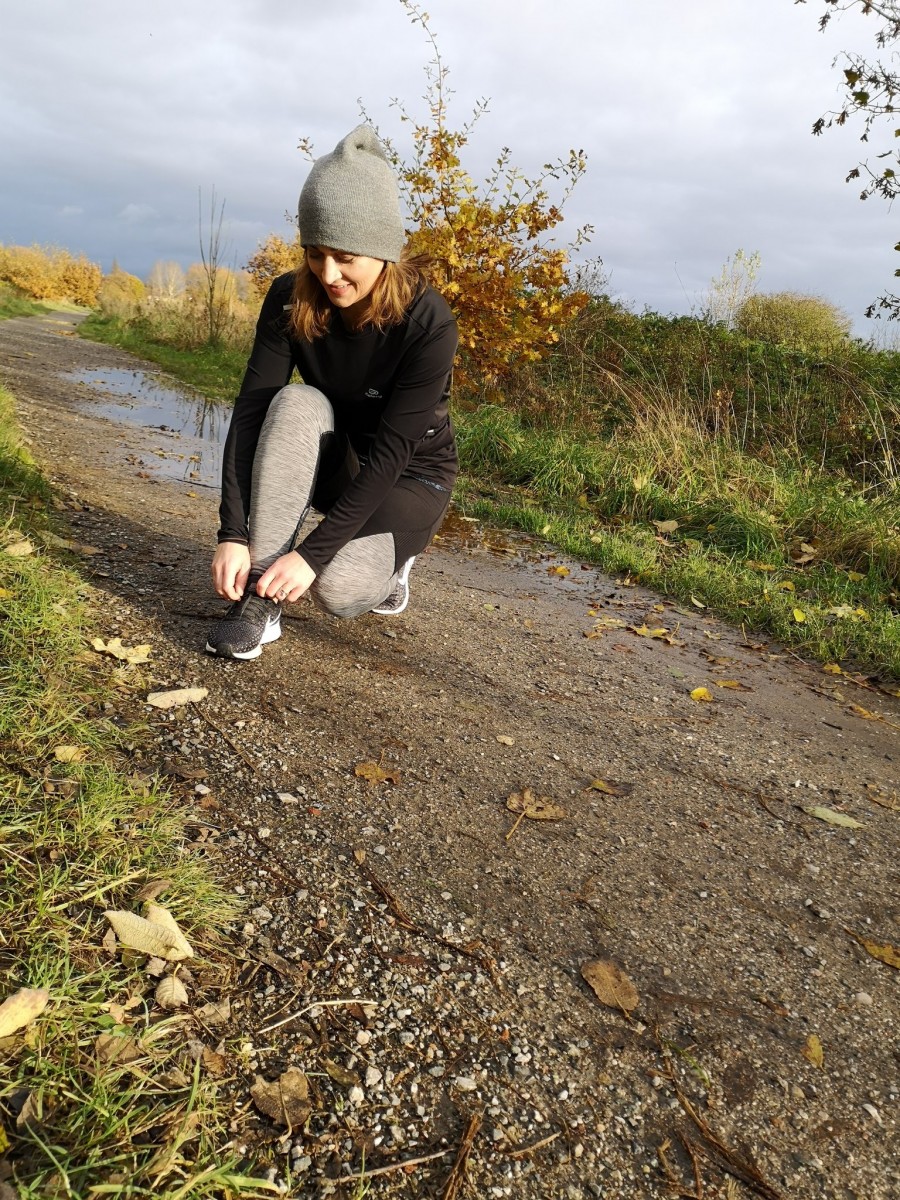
[262, 914]
[264, 832]
[373, 1077]
[363, 1037]
[863, 999]
[202, 789]
[465, 1083]
[356, 1095]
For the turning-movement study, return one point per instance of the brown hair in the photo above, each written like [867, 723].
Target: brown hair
[395, 289]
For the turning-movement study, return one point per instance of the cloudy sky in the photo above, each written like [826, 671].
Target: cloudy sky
[695, 116]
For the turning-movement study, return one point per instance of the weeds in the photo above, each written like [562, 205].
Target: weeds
[100, 1095]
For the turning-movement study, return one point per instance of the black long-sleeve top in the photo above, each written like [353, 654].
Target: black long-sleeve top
[389, 391]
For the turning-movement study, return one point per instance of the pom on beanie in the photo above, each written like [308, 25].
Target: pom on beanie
[350, 200]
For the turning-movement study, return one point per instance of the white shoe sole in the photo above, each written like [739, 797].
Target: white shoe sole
[271, 633]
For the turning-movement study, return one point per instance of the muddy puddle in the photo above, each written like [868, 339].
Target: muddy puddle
[186, 430]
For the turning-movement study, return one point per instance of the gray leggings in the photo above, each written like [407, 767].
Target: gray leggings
[285, 484]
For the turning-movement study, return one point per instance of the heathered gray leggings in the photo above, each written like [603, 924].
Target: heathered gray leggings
[285, 470]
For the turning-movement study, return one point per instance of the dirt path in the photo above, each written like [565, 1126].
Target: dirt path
[707, 879]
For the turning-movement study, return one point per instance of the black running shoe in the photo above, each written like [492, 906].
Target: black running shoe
[397, 601]
[248, 625]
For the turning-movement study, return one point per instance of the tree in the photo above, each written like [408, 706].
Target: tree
[731, 289]
[217, 299]
[272, 258]
[871, 90]
[166, 280]
[791, 319]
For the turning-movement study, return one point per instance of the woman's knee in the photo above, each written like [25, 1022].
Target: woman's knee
[299, 401]
[344, 601]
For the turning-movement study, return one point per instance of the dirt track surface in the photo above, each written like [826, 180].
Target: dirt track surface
[728, 904]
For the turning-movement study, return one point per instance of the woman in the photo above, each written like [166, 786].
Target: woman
[365, 439]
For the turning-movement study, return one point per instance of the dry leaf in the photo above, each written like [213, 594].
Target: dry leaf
[666, 526]
[832, 669]
[117, 1048]
[734, 684]
[178, 697]
[859, 711]
[215, 1013]
[562, 572]
[149, 937]
[644, 631]
[855, 576]
[702, 695]
[129, 654]
[609, 787]
[215, 1063]
[285, 1100]
[610, 984]
[340, 1074]
[883, 951]
[505, 740]
[697, 603]
[813, 1051]
[19, 549]
[153, 889]
[170, 992]
[832, 817]
[21, 1008]
[375, 773]
[157, 915]
[68, 754]
[537, 808]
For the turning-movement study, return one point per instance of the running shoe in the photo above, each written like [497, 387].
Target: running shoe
[399, 597]
[248, 625]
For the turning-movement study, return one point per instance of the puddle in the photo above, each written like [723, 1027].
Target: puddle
[190, 428]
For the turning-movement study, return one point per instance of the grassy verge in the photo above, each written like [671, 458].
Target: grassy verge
[214, 370]
[14, 304]
[104, 1093]
[779, 545]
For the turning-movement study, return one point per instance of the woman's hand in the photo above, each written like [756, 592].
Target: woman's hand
[230, 569]
[287, 578]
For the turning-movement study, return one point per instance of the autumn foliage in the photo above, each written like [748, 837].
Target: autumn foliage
[49, 273]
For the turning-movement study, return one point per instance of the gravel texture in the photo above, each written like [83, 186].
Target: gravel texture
[415, 951]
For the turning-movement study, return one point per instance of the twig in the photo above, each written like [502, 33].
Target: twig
[295, 1016]
[457, 1176]
[519, 819]
[397, 1166]
[520, 1153]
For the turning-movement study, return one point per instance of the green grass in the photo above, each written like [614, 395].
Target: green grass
[14, 304]
[592, 473]
[78, 837]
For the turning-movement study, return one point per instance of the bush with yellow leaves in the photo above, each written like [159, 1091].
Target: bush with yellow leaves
[50, 273]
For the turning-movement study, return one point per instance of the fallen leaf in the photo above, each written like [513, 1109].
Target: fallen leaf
[149, 937]
[340, 1074]
[883, 951]
[855, 576]
[153, 889]
[19, 549]
[375, 773]
[215, 1013]
[610, 984]
[117, 1048]
[759, 566]
[813, 1051]
[129, 654]
[832, 817]
[702, 695]
[697, 603]
[537, 808]
[562, 572]
[734, 684]
[665, 526]
[68, 754]
[644, 631]
[215, 1063]
[178, 697]
[609, 787]
[859, 711]
[170, 992]
[505, 740]
[21, 1008]
[785, 586]
[799, 616]
[285, 1100]
[5, 593]
[832, 669]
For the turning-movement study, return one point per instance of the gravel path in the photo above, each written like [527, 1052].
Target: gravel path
[431, 945]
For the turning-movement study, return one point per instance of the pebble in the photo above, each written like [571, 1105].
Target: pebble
[465, 1083]
[863, 999]
[373, 1077]
[202, 789]
[356, 1096]
[264, 832]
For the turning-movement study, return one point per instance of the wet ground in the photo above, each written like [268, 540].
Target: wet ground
[355, 785]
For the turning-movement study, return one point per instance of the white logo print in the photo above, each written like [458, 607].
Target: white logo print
[373, 394]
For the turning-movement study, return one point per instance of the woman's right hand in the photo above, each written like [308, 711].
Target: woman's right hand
[230, 569]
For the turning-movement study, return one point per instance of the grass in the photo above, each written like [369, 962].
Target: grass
[592, 473]
[14, 304]
[100, 1095]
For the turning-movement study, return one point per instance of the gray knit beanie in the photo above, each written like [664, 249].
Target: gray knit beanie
[350, 201]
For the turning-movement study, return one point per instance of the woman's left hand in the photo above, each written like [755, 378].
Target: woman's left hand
[287, 578]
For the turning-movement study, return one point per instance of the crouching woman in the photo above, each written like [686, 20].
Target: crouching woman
[365, 439]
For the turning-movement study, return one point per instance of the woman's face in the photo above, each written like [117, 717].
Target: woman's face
[347, 278]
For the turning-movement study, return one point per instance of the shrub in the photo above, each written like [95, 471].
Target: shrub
[792, 319]
[49, 273]
[273, 257]
[120, 294]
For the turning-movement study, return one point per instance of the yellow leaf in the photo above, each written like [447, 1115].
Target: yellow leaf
[831, 817]
[883, 951]
[702, 695]
[609, 787]
[374, 773]
[855, 576]
[5, 593]
[832, 669]
[21, 1008]
[799, 616]
[67, 754]
[734, 684]
[562, 572]
[537, 808]
[177, 697]
[813, 1051]
[644, 631]
[697, 603]
[129, 654]
[664, 527]
[610, 984]
[150, 936]
[759, 566]
[785, 586]
[19, 549]
[859, 711]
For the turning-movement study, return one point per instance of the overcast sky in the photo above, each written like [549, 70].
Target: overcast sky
[695, 116]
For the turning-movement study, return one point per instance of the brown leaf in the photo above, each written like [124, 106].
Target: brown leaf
[155, 888]
[215, 1013]
[375, 773]
[883, 951]
[610, 984]
[734, 684]
[812, 1050]
[215, 1063]
[609, 787]
[285, 1100]
[537, 808]
[19, 549]
[666, 526]
[340, 1074]
[117, 1048]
